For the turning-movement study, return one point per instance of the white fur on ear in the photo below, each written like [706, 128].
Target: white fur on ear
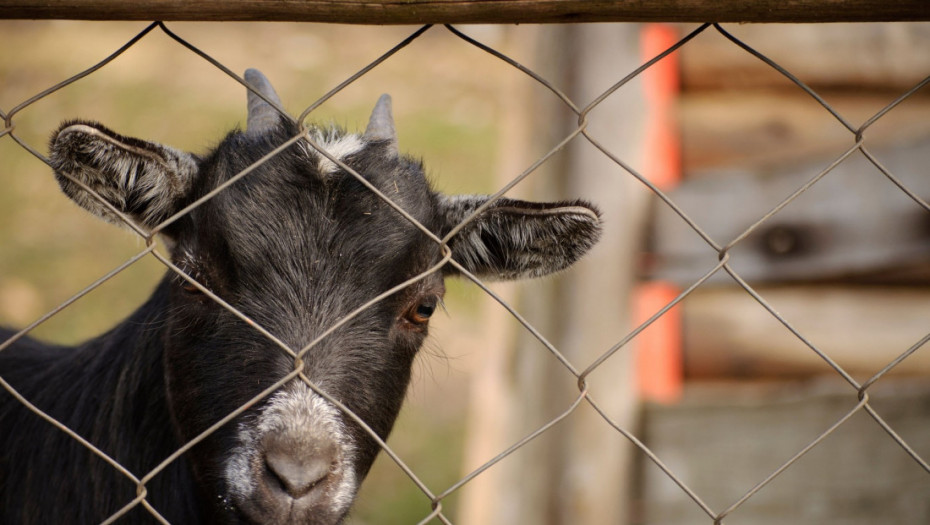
[514, 239]
[144, 180]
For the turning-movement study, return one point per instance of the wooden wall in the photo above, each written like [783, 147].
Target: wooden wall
[847, 264]
[849, 254]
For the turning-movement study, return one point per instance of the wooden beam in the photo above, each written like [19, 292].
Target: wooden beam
[875, 57]
[852, 224]
[728, 335]
[724, 438]
[472, 11]
[756, 129]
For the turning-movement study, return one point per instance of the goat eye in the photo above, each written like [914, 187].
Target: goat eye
[190, 288]
[423, 311]
[187, 286]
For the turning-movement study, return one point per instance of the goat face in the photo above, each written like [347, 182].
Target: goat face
[295, 246]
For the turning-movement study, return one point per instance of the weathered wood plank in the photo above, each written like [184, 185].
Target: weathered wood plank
[759, 129]
[472, 11]
[836, 56]
[728, 335]
[722, 441]
[853, 223]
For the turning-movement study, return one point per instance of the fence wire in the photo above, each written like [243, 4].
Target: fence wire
[858, 391]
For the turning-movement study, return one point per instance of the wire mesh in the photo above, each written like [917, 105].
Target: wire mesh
[858, 391]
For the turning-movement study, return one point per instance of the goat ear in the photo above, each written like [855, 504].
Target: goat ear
[144, 180]
[513, 239]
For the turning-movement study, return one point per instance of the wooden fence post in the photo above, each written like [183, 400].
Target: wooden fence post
[593, 477]
[577, 472]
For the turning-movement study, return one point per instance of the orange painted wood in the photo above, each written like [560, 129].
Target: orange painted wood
[659, 367]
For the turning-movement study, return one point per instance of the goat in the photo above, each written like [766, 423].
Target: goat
[294, 246]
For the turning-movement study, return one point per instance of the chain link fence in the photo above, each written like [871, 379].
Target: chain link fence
[579, 372]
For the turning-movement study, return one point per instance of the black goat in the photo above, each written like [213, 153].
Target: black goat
[295, 246]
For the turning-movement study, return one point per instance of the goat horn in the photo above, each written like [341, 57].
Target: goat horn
[262, 115]
[381, 123]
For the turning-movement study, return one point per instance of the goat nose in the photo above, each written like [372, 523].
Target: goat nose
[297, 473]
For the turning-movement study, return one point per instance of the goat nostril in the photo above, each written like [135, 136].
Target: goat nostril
[298, 476]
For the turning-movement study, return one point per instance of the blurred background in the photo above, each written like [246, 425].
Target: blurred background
[718, 388]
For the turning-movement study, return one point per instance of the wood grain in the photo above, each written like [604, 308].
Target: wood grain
[472, 11]
[728, 335]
